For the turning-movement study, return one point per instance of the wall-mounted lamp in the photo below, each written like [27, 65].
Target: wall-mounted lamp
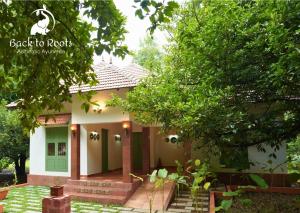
[172, 138]
[117, 138]
[97, 108]
[94, 136]
[126, 126]
[73, 129]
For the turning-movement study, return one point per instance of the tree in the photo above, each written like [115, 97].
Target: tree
[149, 55]
[293, 152]
[41, 81]
[14, 144]
[232, 76]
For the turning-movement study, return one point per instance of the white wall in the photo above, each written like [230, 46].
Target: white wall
[37, 154]
[258, 158]
[166, 152]
[108, 114]
[94, 148]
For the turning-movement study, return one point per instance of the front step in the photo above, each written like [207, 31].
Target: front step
[105, 192]
[104, 199]
[185, 203]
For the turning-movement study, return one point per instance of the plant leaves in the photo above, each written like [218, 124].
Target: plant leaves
[153, 176]
[206, 185]
[226, 204]
[197, 162]
[162, 173]
[229, 194]
[259, 181]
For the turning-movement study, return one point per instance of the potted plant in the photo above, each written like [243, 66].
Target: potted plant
[3, 192]
[58, 189]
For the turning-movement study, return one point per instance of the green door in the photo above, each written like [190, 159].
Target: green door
[57, 149]
[137, 151]
[104, 134]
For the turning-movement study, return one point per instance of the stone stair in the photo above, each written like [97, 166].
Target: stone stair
[105, 192]
[184, 203]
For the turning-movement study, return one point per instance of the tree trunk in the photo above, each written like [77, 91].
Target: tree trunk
[187, 146]
[20, 169]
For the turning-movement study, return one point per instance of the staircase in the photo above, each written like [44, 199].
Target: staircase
[105, 192]
[185, 203]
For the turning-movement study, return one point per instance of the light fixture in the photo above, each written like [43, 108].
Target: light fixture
[97, 108]
[73, 129]
[117, 138]
[94, 136]
[126, 126]
[172, 138]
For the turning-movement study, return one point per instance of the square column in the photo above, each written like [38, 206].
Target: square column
[75, 152]
[146, 150]
[127, 152]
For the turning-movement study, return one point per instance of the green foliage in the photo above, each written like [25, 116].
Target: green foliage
[158, 178]
[232, 193]
[246, 202]
[163, 11]
[42, 81]
[201, 179]
[259, 181]
[4, 163]
[293, 152]
[225, 205]
[149, 55]
[231, 77]
[239, 160]
[13, 141]
[36, 79]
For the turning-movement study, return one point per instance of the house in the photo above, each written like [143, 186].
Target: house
[75, 145]
[94, 153]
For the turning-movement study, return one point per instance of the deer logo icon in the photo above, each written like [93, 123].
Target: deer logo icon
[41, 27]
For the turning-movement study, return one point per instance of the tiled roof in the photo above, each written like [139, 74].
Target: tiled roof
[58, 119]
[113, 77]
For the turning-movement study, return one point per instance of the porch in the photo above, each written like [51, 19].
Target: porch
[112, 150]
[96, 159]
[116, 150]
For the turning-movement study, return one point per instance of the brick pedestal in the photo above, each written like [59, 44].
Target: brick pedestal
[60, 204]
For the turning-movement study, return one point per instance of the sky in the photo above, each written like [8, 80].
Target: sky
[137, 30]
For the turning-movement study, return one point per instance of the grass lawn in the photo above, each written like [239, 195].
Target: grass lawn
[29, 200]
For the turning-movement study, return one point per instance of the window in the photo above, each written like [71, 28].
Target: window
[62, 149]
[51, 149]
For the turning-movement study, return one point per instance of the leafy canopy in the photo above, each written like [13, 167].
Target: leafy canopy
[41, 81]
[13, 141]
[149, 55]
[232, 75]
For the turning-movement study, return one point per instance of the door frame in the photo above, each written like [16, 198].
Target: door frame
[104, 150]
[137, 155]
